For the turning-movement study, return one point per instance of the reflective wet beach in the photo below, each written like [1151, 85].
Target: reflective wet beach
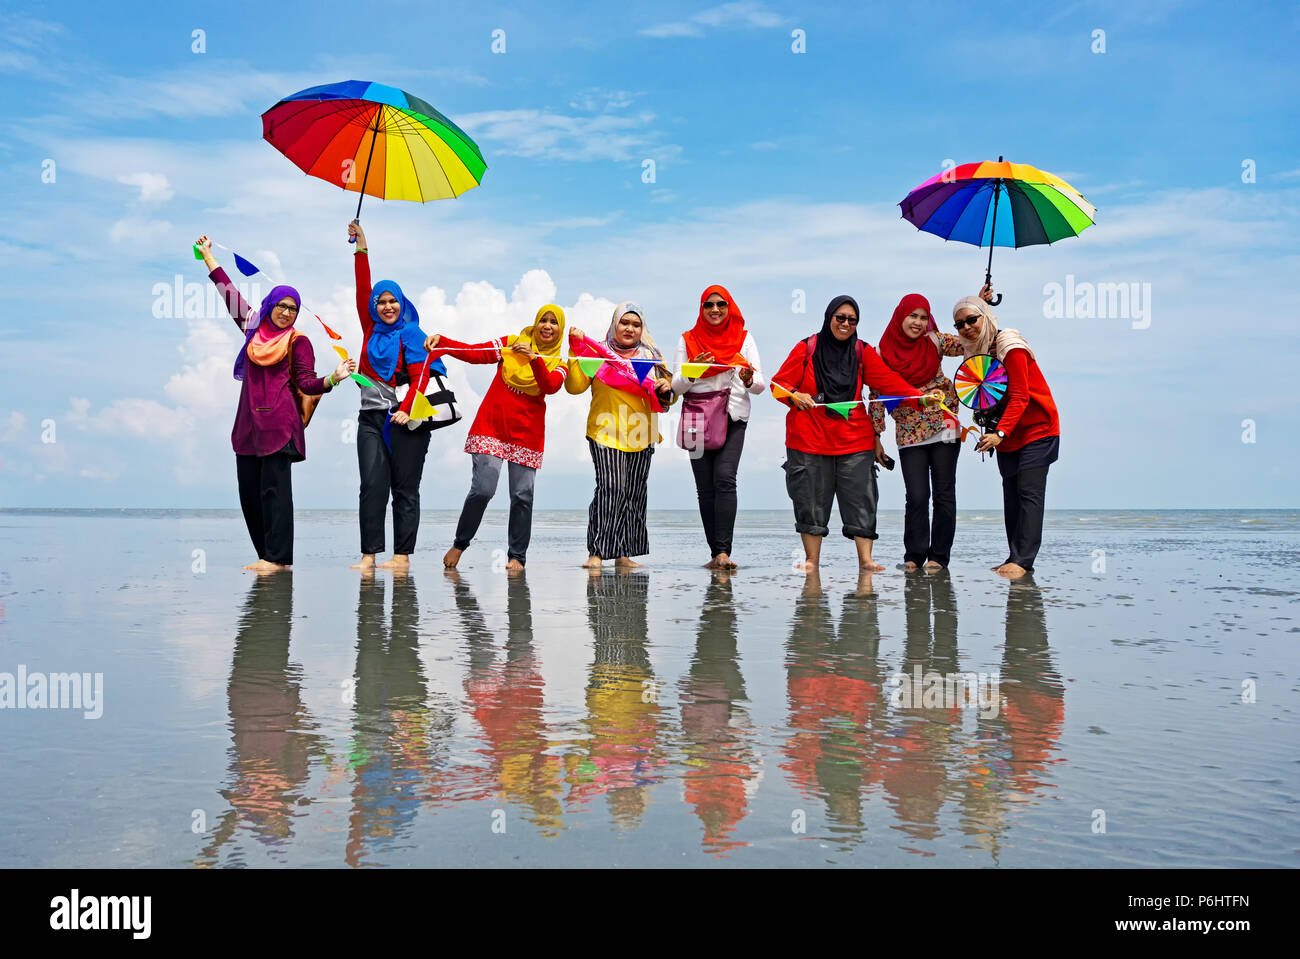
[1098, 716]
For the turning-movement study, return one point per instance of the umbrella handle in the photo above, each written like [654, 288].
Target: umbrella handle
[996, 300]
[988, 279]
[353, 239]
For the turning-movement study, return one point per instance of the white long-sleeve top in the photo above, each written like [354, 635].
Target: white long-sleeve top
[738, 402]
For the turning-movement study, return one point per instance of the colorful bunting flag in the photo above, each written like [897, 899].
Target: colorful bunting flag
[363, 381]
[340, 351]
[388, 431]
[694, 370]
[198, 254]
[421, 408]
[590, 365]
[844, 409]
[245, 267]
[333, 335]
[780, 392]
[643, 367]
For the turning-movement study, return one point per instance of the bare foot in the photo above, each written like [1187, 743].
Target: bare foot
[712, 564]
[593, 562]
[265, 566]
[723, 561]
[514, 566]
[909, 566]
[1011, 571]
[871, 566]
[452, 558]
[399, 561]
[624, 562]
[807, 566]
[367, 562]
[933, 567]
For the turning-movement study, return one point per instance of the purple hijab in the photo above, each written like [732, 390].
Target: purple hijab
[268, 303]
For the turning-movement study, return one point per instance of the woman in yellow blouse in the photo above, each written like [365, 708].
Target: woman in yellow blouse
[628, 391]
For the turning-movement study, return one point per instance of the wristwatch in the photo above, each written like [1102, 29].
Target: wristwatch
[1000, 434]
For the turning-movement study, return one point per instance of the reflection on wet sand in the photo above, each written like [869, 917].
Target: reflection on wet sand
[618, 753]
[1010, 751]
[723, 764]
[837, 706]
[399, 735]
[504, 691]
[273, 738]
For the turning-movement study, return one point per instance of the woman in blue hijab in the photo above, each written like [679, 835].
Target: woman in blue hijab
[390, 448]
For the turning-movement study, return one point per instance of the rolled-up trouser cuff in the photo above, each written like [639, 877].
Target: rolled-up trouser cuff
[853, 532]
[810, 530]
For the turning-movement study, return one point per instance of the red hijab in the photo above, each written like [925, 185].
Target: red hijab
[723, 341]
[916, 361]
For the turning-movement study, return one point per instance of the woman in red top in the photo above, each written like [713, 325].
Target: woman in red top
[830, 456]
[510, 426]
[1028, 433]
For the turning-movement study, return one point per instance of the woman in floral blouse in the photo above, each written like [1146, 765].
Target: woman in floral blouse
[928, 439]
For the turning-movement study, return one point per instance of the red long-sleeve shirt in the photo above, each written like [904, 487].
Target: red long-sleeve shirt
[416, 373]
[509, 424]
[813, 431]
[1031, 412]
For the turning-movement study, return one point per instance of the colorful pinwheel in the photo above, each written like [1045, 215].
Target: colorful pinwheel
[998, 204]
[404, 148]
[981, 382]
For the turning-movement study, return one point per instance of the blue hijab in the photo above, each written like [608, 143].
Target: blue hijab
[385, 339]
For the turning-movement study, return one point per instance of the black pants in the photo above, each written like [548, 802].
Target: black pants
[929, 470]
[715, 485]
[382, 471]
[266, 497]
[815, 480]
[1024, 492]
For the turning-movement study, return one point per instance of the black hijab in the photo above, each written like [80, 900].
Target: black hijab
[835, 362]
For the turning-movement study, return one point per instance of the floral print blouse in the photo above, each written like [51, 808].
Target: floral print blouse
[913, 426]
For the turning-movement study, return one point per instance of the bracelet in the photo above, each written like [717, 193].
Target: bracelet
[330, 380]
[355, 252]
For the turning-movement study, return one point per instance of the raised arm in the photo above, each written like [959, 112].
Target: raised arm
[243, 314]
[489, 351]
[361, 261]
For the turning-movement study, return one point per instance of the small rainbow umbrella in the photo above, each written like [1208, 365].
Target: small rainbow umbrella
[998, 204]
[405, 148]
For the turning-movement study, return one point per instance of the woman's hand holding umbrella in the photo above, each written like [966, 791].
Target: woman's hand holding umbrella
[358, 236]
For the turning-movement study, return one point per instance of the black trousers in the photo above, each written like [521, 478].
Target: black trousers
[929, 471]
[266, 497]
[1024, 492]
[715, 486]
[382, 472]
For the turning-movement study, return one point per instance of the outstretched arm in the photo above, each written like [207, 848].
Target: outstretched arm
[240, 311]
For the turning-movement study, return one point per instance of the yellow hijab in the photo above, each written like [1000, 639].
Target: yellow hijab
[517, 370]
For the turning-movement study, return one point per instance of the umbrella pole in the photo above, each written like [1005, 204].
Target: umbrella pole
[988, 271]
[366, 176]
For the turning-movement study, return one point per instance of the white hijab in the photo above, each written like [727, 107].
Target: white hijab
[1008, 341]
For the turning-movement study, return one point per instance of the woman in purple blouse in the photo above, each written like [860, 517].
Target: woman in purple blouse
[277, 367]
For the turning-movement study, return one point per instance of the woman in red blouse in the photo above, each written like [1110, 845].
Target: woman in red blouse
[830, 457]
[1028, 433]
[510, 426]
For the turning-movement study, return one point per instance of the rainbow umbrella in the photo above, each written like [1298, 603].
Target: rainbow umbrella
[405, 148]
[998, 204]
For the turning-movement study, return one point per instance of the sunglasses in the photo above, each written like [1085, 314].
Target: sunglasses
[291, 310]
[851, 320]
[715, 304]
[969, 321]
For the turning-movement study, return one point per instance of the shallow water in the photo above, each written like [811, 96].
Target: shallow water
[664, 717]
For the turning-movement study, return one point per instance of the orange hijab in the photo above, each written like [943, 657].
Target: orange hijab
[724, 341]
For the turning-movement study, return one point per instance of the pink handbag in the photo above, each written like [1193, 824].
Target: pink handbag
[704, 420]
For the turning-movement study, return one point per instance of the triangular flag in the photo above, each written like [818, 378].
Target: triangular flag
[780, 392]
[643, 367]
[388, 432]
[891, 403]
[198, 254]
[340, 351]
[245, 267]
[844, 409]
[421, 408]
[333, 335]
[363, 381]
[590, 365]
[694, 370]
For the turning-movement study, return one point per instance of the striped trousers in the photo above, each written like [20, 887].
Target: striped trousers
[616, 520]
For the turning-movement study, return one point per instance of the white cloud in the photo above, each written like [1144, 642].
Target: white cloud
[744, 15]
[554, 136]
[154, 187]
[13, 427]
[140, 233]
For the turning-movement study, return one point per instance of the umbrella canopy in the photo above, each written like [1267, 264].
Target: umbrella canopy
[998, 204]
[375, 140]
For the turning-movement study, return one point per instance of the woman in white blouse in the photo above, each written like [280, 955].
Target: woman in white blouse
[717, 368]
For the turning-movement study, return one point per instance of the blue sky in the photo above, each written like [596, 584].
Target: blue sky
[775, 171]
